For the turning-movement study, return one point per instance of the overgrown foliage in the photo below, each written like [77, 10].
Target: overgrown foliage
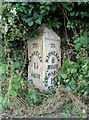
[19, 23]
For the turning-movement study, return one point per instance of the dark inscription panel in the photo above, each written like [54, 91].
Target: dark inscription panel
[51, 79]
[52, 60]
[35, 62]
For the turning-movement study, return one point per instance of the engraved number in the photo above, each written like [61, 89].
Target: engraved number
[35, 65]
[53, 60]
[53, 45]
[34, 45]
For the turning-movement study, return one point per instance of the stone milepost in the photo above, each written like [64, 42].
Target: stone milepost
[44, 54]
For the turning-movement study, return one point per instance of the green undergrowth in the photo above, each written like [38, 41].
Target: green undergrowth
[20, 22]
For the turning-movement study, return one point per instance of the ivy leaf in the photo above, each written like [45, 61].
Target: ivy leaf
[64, 76]
[78, 46]
[13, 93]
[72, 13]
[69, 8]
[77, 13]
[48, 3]
[34, 97]
[73, 87]
[86, 92]
[30, 24]
[73, 70]
[23, 4]
[2, 77]
[35, 15]
[15, 65]
[2, 69]
[68, 89]
[42, 10]
[16, 78]
[67, 80]
[30, 10]
[47, 7]
[39, 20]
[15, 86]
[30, 21]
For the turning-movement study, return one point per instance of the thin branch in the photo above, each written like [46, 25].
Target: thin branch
[64, 14]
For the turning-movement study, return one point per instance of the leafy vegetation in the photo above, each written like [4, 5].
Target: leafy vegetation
[20, 22]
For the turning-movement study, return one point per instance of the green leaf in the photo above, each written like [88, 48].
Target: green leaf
[34, 97]
[2, 69]
[39, 20]
[64, 76]
[86, 92]
[73, 70]
[69, 8]
[59, 69]
[48, 3]
[72, 13]
[43, 10]
[42, 7]
[16, 78]
[13, 93]
[84, 111]
[23, 4]
[15, 86]
[73, 87]
[2, 77]
[30, 21]
[35, 15]
[68, 70]
[68, 89]
[47, 7]
[30, 10]
[15, 65]
[72, 84]
[82, 40]
[67, 80]
[78, 46]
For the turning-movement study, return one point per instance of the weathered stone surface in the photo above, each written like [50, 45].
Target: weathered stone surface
[44, 56]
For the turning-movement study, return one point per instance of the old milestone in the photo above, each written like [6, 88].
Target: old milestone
[44, 54]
